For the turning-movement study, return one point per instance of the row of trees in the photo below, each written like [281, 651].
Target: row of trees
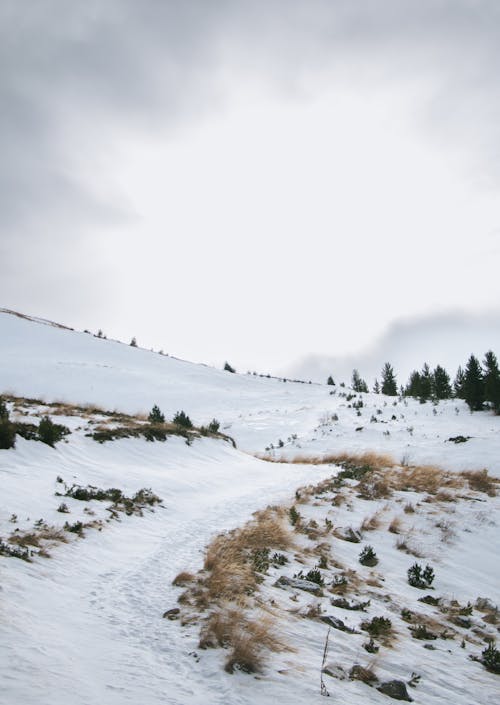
[477, 384]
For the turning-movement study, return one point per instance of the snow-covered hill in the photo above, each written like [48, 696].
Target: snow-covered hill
[85, 625]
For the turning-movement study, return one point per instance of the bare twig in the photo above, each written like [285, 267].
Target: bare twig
[324, 691]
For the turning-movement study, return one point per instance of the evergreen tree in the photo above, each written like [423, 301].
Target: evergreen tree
[492, 380]
[155, 415]
[473, 384]
[389, 384]
[425, 384]
[441, 383]
[133, 342]
[376, 387]
[7, 429]
[330, 380]
[228, 367]
[358, 383]
[413, 386]
[458, 384]
[183, 420]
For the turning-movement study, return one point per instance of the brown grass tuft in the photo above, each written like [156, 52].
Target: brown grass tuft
[183, 578]
[364, 674]
[228, 560]
[371, 523]
[395, 526]
[248, 638]
[480, 481]
[424, 478]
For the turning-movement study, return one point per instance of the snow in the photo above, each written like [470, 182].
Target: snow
[85, 625]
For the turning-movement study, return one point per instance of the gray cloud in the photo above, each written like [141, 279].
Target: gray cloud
[151, 64]
[447, 339]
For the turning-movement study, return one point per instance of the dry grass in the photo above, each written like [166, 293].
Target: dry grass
[247, 638]
[444, 496]
[37, 538]
[363, 673]
[376, 461]
[404, 544]
[409, 508]
[371, 523]
[230, 573]
[480, 481]
[183, 578]
[395, 526]
[424, 478]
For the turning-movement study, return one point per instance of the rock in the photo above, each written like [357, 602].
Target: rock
[349, 605]
[172, 614]
[335, 671]
[337, 624]
[299, 584]
[348, 534]
[396, 690]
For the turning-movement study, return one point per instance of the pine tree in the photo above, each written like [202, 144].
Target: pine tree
[376, 387]
[441, 383]
[413, 386]
[389, 384]
[358, 383]
[7, 429]
[492, 380]
[330, 381]
[425, 384]
[229, 368]
[473, 385]
[133, 342]
[458, 384]
[155, 415]
[4, 412]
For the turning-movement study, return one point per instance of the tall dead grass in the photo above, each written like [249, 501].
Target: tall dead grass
[248, 638]
[374, 460]
[480, 481]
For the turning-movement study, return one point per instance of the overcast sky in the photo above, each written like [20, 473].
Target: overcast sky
[245, 180]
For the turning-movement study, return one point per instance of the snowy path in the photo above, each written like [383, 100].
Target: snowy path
[93, 613]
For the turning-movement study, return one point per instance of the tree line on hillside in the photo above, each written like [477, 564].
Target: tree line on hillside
[478, 385]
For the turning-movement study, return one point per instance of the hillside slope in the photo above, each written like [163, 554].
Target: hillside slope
[84, 626]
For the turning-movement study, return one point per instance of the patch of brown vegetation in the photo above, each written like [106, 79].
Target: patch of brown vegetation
[183, 578]
[395, 526]
[480, 481]
[424, 478]
[228, 563]
[247, 638]
[363, 673]
[37, 537]
[371, 523]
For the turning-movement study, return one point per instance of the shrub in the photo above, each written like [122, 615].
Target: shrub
[378, 626]
[214, 426]
[313, 575]
[420, 631]
[182, 419]
[50, 433]
[368, 556]
[229, 368]
[7, 433]
[4, 413]
[155, 415]
[490, 658]
[294, 515]
[14, 552]
[76, 528]
[63, 508]
[420, 578]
